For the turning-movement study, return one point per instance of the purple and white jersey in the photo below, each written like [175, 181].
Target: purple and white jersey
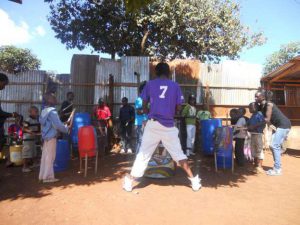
[163, 95]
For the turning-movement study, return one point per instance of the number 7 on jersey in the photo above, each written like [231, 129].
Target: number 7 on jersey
[164, 90]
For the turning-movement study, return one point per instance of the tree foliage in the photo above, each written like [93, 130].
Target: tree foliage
[15, 60]
[282, 56]
[201, 29]
[134, 5]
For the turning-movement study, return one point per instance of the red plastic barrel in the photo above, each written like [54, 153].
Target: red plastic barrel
[87, 141]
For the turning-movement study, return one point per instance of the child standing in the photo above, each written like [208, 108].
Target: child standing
[102, 115]
[203, 114]
[31, 128]
[189, 112]
[126, 117]
[50, 124]
[256, 125]
[240, 133]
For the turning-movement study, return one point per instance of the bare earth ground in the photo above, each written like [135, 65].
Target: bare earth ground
[226, 198]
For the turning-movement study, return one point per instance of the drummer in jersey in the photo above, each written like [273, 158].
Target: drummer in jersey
[165, 98]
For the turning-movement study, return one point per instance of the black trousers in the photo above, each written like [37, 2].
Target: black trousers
[126, 132]
[2, 139]
[239, 151]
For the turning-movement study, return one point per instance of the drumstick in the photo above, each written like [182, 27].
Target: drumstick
[67, 107]
[70, 120]
[273, 127]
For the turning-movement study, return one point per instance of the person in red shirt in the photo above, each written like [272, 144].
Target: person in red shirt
[102, 115]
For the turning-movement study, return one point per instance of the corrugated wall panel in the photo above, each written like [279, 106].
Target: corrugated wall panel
[130, 65]
[123, 71]
[21, 92]
[231, 74]
[63, 86]
[104, 68]
[26, 93]
[83, 70]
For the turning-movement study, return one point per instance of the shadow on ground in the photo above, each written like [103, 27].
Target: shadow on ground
[14, 184]
[17, 185]
[292, 152]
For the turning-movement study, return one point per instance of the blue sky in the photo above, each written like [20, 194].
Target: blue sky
[26, 26]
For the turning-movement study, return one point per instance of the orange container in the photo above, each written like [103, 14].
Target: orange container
[87, 141]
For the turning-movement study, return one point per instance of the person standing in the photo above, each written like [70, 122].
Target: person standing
[240, 133]
[31, 128]
[4, 115]
[67, 107]
[140, 118]
[189, 113]
[50, 125]
[203, 114]
[256, 125]
[281, 127]
[102, 115]
[165, 98]
[126, 118]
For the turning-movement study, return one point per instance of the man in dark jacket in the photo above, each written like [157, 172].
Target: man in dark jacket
[126, 117]
[67, 107]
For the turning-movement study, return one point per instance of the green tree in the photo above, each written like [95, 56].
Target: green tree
[206, 30]
[285, 54]
[134, 5]
[15, 60]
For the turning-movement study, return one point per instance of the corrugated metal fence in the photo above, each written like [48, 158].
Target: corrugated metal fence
[231, 82]
[125, 73]
[24, 90]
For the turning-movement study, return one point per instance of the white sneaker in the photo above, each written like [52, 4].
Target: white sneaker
[127, 184]
[122, 151]
[192, 153]
[26, 170]
[53, 180]
[129, 151]
[196, 183]
[274, 172]
[187, 153]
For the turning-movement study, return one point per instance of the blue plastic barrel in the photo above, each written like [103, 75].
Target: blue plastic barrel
[62, 158]
[207, 130]
[224, 154]
[80, 119]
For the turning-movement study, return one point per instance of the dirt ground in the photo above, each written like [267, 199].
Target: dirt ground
[225, 198]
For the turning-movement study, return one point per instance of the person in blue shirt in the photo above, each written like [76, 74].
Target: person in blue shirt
[140, 118]
[50, 125]
[256, 125]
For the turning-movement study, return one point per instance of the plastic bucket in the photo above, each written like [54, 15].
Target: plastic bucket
[207, 130]
[62, 158]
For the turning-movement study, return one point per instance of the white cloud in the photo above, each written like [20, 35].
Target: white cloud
[12, 33]
[40, 31]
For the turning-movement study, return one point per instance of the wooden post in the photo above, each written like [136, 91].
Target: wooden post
[111, 106]
[227, 116]
[207, 97]
[138, 79]
[111, 93]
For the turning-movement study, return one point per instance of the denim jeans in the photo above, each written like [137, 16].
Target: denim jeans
[277, 139]
[139, 135]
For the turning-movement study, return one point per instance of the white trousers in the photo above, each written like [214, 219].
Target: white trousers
[190, 140]
[47, 161]
[154, 133]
